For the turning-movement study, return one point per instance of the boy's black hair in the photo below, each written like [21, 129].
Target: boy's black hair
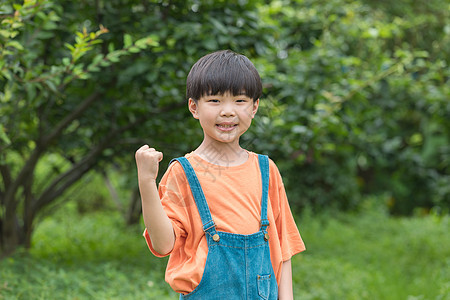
[223, 71]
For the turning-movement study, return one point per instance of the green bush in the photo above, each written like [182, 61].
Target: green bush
[361, 97]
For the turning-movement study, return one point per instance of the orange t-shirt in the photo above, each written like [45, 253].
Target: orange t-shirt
[234, 199]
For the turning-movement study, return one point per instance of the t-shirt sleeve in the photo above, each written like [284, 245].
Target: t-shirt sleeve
[172, 201]
[291, 242]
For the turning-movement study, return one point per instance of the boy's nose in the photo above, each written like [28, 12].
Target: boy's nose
[227, 110]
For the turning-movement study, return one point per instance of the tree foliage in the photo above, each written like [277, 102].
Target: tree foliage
[355, 95]
[79, 92]
[361, 101]
[44, 101]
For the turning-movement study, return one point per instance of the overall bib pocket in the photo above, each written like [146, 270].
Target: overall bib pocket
[264, 286]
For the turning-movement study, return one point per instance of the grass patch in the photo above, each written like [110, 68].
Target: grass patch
[373, 256]
[349, 256]
[85, 257]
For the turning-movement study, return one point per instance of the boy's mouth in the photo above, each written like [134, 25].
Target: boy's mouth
[226, 126]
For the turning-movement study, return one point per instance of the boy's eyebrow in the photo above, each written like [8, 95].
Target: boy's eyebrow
[222, 95]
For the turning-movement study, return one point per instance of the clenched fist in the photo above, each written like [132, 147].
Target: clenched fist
[147, 161]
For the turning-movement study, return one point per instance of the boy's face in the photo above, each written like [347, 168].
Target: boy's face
[224, 118]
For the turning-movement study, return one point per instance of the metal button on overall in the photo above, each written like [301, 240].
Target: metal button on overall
[216, 237]
[239, 267]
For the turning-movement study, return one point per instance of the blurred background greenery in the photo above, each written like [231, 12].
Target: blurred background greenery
[355, 113]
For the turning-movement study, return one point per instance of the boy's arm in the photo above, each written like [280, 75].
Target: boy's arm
[285, 288]
[158, 225]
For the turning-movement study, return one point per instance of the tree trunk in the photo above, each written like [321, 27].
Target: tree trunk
[10, 235]
[18, 191]
[112, 191]
[15, 234]
[134, 209]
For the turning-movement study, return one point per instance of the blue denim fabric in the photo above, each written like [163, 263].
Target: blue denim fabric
[237, 266]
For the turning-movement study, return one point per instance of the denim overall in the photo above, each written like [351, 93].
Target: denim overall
[237, 266]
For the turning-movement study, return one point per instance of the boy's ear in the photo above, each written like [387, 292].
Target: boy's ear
[193, 108]
[255, 107]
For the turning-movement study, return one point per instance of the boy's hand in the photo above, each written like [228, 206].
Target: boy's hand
[147, 161]
[156, 221]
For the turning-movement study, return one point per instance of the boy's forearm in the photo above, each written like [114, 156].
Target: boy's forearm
[285, 289]
[156, 221]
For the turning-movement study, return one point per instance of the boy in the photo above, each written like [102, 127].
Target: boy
[221, 211]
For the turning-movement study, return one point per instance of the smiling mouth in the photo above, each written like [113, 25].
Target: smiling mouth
[226, 127]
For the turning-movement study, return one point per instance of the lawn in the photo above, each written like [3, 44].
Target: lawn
[365, 255]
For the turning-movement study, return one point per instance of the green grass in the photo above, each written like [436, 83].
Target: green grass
[85, 257]
[372, 256]
[349, 256]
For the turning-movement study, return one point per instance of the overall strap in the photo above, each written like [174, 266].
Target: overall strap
[199, 197]
[264, 168]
